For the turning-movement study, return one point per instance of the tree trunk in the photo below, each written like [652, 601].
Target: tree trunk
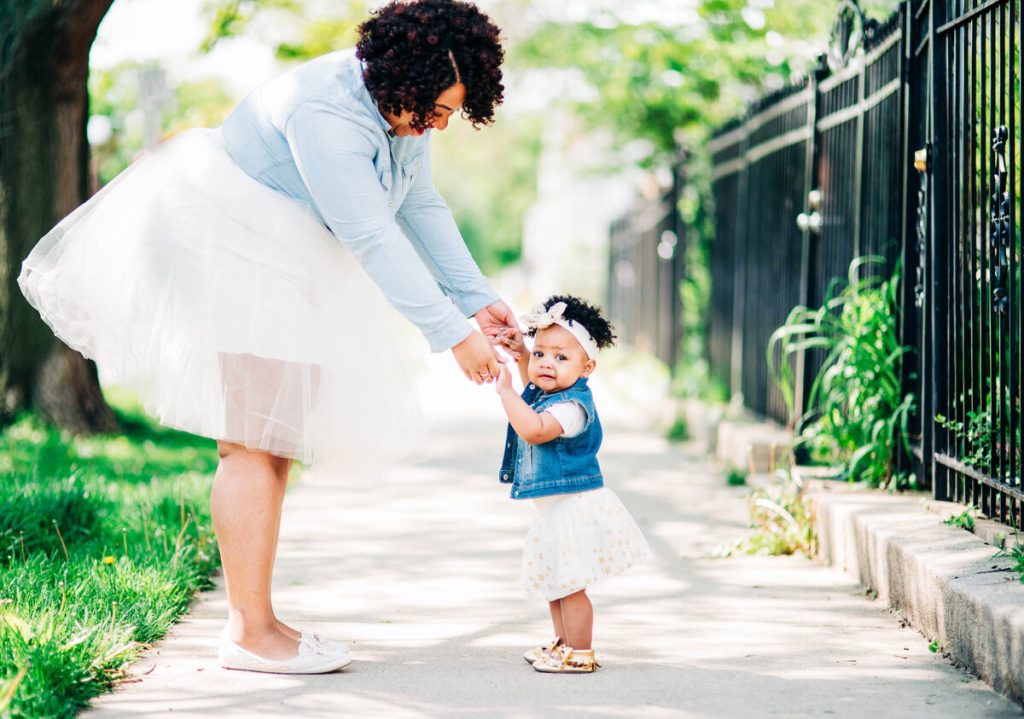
[44, 156]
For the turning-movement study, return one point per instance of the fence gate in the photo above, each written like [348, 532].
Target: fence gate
[646, 267]
[810, 179]
[972, 293]
[905, 143]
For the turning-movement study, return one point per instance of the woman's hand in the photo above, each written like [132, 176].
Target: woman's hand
[477, 358]
[494, 317]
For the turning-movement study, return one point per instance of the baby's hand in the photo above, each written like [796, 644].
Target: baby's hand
[512, 340]
[504, 382]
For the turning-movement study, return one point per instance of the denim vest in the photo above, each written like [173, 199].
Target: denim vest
[565, 464]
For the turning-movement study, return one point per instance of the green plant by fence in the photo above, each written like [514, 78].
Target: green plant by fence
[903, 144]
[857, 411]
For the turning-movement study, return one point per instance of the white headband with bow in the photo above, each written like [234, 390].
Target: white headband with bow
[538, 318]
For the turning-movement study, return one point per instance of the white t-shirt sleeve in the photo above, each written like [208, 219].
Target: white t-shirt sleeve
[570, 415]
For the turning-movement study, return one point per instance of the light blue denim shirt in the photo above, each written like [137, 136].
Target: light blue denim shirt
[316, 135]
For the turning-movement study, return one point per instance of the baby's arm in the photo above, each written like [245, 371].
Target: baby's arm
[534, 428]
[512, 340]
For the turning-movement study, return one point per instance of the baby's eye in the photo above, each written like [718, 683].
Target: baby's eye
[538, 353]
[561, 357]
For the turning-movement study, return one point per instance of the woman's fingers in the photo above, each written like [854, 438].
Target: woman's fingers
[478, 358]
[497, 361]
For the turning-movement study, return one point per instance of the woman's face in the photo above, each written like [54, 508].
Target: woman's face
[446, 105]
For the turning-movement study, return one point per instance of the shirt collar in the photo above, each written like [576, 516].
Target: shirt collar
[371, 105]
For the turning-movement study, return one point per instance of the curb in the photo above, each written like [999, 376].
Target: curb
[943, 580]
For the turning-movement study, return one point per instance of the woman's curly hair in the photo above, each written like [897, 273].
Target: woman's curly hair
[408, 48]
[585, 314]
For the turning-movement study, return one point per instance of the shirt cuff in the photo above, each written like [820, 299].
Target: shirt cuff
[472, 300]
[449, 334]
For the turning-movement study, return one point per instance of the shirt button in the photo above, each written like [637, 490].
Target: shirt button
[391, 203]
[509, 444]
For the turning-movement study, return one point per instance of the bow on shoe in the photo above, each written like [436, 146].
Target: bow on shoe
[311, 644]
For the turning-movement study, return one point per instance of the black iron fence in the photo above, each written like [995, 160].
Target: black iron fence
[906, 144]
[645, 270]
[811, 178]
[972, 351]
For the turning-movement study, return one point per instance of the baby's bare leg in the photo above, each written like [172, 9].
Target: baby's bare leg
[577, 614]
[556, 618]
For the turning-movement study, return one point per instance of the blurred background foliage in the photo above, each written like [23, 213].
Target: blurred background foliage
[666, 84]
[657, 74]
[114, 94]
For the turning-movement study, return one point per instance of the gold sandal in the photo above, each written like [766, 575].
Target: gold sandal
[566, 660]
[537, 652]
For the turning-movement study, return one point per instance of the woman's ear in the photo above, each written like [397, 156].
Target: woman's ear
[589, 367]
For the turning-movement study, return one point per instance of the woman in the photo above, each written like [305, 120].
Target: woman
[218, 275]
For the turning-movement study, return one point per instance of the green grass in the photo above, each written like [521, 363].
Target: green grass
[103, 541]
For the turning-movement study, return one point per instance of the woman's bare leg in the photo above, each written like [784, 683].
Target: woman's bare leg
[293, 633]
[248, 491]
[578, 619]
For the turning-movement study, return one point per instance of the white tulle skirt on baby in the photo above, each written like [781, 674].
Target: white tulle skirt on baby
[578, 539]
[229, 308]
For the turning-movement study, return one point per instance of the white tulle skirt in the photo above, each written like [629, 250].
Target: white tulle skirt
[230, 309]
[576, 540]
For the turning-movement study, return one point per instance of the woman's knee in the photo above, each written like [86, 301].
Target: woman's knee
[231, 452]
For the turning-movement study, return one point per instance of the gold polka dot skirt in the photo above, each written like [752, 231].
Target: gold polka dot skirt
[578, 539]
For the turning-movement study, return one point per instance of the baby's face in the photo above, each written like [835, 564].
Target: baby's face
[558, 359]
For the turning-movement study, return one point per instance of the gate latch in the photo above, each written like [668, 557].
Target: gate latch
[813, 221]
[921, 160]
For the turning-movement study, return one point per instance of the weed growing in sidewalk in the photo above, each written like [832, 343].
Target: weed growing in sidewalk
[103, 541]
[1016, 555]
[965, 519]
[735, 478]
[678, 431]
[781, 519]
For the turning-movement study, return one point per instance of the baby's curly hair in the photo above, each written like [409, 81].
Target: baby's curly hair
[585, 314]
[408, 48]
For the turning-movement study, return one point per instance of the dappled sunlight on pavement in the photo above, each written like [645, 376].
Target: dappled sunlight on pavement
[418, 568]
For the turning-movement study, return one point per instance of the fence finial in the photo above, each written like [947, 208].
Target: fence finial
[848, 34]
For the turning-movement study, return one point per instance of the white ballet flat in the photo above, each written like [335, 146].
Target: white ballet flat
[313, 658]
[329, 644]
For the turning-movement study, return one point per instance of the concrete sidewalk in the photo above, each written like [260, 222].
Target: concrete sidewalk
[419, 571]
